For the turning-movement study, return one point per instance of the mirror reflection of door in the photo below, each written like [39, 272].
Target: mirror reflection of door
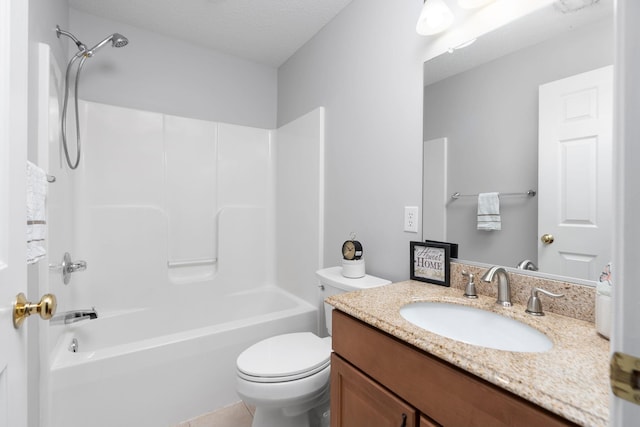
[575, 174]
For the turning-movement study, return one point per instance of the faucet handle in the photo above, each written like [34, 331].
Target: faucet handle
[69, 267]
[534, 306]
[470, 291]
[527, 264]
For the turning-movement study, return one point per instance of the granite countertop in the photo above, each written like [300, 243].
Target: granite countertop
[571, 379]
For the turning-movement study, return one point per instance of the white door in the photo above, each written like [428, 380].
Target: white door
[575, 201]
[13, 154]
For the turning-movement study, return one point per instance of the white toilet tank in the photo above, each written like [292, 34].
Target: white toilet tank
[333, 282]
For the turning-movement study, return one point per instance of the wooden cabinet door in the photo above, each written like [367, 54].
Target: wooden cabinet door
[427, 422]
[358, 401]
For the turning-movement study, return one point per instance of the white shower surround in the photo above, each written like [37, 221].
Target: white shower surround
[180, 219]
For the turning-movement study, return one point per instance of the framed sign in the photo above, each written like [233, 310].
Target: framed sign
[453, 247]
[430, 262]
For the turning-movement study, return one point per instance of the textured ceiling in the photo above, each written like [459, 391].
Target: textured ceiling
[264, 31]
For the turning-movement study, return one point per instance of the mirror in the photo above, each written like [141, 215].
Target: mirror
[484, 100]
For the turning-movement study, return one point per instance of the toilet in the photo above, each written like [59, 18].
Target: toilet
[286, 377]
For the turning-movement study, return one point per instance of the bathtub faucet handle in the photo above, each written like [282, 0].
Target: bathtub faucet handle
[77, 266]
[69, 267]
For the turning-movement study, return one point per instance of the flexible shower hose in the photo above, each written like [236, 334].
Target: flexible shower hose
[72, 165]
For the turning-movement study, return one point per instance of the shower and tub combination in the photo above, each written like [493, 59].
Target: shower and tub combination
[187, 261]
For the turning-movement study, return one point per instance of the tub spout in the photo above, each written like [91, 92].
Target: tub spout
[74, 316]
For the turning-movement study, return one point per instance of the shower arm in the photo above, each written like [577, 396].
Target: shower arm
[81, 46]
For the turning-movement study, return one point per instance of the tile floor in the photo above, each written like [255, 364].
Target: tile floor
[236, 415]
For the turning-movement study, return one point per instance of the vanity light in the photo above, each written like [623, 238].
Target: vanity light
[434, 18]
[473, 4]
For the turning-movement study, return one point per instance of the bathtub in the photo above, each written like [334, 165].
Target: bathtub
[158, 366]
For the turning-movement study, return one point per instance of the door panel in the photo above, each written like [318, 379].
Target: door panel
[575, 174]
[13, 155]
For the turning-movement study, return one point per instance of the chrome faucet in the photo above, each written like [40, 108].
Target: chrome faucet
[527, 264]
[74, 316]
[504, 288]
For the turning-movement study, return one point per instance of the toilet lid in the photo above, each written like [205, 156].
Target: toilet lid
[285, 357]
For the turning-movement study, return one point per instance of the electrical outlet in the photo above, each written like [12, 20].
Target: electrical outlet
[411, 219]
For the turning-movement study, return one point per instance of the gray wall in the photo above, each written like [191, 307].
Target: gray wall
[162, 74]
[365, 67]
[490, 115]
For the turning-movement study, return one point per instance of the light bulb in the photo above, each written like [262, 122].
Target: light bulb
[434, 18]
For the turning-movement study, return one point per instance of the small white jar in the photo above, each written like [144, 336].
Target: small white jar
[353, 269]
[603, 314]
[603, 302]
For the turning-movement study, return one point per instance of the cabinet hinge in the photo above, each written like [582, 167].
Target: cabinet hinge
[625, 377]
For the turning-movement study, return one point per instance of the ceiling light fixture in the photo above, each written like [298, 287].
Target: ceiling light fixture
[434, 18]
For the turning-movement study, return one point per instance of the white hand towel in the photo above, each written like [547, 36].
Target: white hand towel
[489, 211]
[36, 213]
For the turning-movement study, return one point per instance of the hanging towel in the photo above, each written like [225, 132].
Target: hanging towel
[489, 211]
[36, 218]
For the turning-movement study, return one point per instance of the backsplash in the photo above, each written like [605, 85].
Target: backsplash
[578, 301]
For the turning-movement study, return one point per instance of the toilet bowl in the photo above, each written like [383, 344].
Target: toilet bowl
[286, 377]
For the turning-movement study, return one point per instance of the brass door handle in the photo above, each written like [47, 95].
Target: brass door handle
[547, 239]
[22, 308]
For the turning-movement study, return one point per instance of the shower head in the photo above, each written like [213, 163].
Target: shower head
[117, 40]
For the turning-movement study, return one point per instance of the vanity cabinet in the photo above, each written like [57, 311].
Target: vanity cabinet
[365, 403]
[376, 378]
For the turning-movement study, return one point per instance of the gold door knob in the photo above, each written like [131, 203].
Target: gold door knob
[547, 239]
[22, 308]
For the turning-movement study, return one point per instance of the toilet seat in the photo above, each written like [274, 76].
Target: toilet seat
[284, 358]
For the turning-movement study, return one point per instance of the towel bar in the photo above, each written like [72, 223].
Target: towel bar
[529, 193]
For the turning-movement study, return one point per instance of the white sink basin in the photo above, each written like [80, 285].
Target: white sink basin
[475, 326]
